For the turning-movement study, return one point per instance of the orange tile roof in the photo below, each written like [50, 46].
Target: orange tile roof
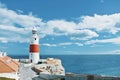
[8, 65]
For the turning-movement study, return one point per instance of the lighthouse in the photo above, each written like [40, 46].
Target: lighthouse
[34, 47]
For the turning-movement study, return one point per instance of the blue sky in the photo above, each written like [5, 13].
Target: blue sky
[65, 26]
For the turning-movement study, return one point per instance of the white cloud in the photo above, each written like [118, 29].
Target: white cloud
[16, 26]
[78, 44]
[70, 43]
[49, 45]
[3, 40]
[11, 18]
[65, 44]
[12, 28]
[87, 34]
[111, 40]
[62, 27]
[101, 22]
[19, 24]
[62, 44]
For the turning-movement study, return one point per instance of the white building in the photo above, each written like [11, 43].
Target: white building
[34, 47]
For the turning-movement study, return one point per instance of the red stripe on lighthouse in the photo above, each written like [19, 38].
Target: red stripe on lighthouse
[34, 48]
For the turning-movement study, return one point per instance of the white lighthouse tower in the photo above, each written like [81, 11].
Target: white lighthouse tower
[34, 47]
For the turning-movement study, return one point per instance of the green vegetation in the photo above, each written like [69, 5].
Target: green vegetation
[3, 78]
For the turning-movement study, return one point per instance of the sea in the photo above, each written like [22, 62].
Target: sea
[107, 65]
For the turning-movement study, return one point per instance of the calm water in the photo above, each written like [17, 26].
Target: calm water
[88, 64]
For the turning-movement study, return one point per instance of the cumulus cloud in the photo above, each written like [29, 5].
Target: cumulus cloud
[85, 35]
[62, 26]
[101, 23]
[16, 26]
[11, 18]
[20, 25]
[111, 40]
[67, 28]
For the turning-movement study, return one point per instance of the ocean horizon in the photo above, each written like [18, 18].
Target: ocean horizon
[108, 65]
